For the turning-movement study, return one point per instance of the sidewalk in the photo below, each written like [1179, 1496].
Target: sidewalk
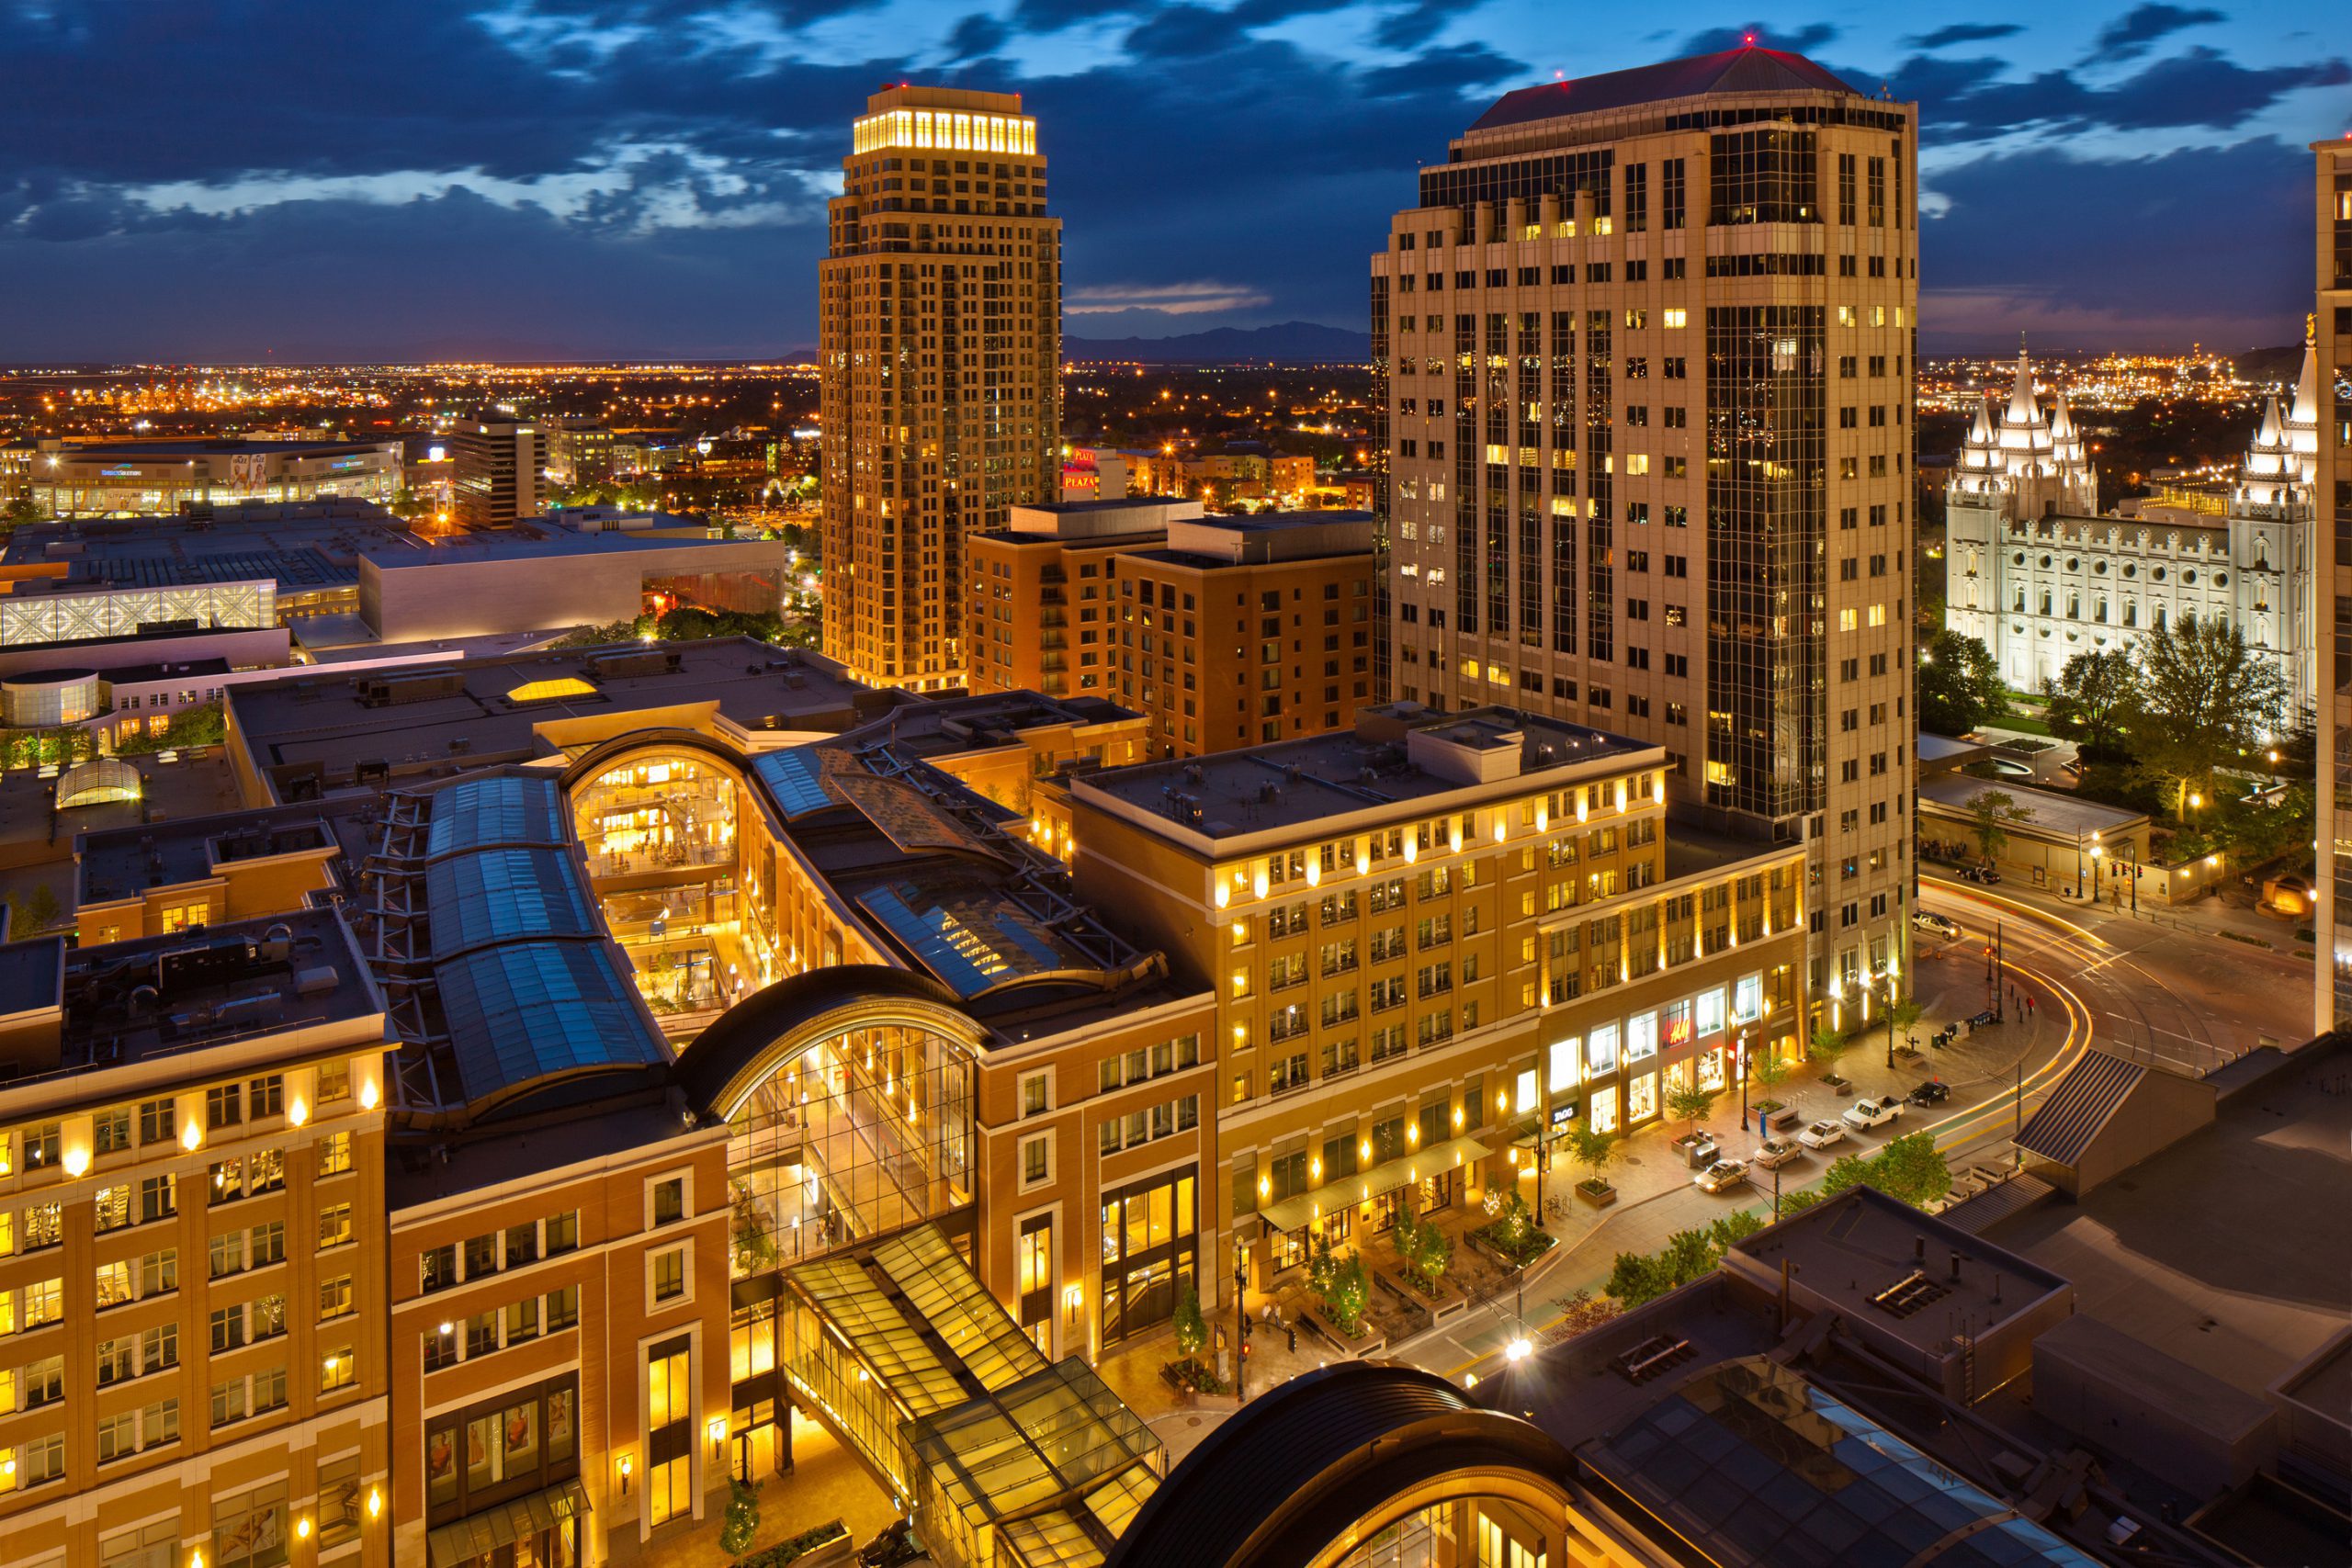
[1655, 1194]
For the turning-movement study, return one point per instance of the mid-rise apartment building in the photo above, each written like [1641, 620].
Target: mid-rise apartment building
[940, 375]
[1647, 340]
[1221, 631]
[500, 476]
[1426, 938]
[2332, 507]
[579, 452]
[192, 1290]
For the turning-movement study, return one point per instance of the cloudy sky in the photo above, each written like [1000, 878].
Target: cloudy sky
[337, 179]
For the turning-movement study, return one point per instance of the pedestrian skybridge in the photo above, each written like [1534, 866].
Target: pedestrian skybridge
[1006, 1459]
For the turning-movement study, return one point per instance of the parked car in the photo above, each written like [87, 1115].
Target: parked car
[1774, 1153]
[1721, 1177]
[1984, 874]
[1935, 1092]
[1934, 924]
[1821, 1134]
[1872, 1112]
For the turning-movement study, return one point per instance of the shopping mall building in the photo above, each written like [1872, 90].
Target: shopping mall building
[891, 1079]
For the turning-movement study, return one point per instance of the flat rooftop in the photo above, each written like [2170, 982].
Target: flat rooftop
[123, 863]
[30, 972]
[215, 447]
[541, 539]
[2166, 1253]
[2054, 812]
[1693, 851]
[210, 986]
[951, 726]
[1890, 1267]
[425, 1169]
[302, 552]
[445, 716]
[1396, 755]
[302, 547]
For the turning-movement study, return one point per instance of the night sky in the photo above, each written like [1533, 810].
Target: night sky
[214, 180]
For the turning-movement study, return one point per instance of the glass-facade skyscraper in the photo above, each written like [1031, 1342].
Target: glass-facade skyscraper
[1645, 343]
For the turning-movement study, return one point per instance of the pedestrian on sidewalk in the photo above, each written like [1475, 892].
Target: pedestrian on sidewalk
[2029, 1004]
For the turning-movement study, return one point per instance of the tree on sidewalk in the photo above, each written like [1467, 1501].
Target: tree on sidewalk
[1592, 1149]
[1904, 1014]
[1689, 1102]
[1769, 1071]
[1192, 1328]
[1825, 1047]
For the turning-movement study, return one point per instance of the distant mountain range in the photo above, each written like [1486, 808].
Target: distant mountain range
[1290, 342]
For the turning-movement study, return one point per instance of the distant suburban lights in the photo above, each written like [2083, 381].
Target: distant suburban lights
[945, 129]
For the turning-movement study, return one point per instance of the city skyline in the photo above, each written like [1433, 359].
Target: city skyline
[572, 181]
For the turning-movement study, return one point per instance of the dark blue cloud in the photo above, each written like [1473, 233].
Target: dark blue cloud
[1968, 100]
[1416, 24]
[1175, 31]
[976, 36]
[2137, 30]
[1802, 40]
[1965, 32]
[631, 152]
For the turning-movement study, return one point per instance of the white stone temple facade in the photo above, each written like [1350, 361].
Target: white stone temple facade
[2037, 573]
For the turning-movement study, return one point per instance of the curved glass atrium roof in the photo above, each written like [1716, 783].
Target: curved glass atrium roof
[530, 987]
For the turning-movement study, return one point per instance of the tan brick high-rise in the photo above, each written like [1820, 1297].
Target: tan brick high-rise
[1648, 339]
[940, 336]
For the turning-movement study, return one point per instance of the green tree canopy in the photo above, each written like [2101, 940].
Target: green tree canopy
[1688, 1102]
[1589, 1147]
[1960, 687]
[2093, 699]
[1990, 814]
[2209, 698]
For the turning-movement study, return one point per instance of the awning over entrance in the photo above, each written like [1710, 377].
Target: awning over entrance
[1012, 1459]
[1303, 1209]
[1049, 1470]
[476, 1537]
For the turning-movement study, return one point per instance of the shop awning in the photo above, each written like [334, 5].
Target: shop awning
[478, 1535]
[1303, 1209]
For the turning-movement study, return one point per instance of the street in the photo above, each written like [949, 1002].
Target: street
[2183, 1000]
[2178, 998]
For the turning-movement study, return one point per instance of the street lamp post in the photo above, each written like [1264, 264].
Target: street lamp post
[1746, 1033]
[1889, 978]
[1240, 1321]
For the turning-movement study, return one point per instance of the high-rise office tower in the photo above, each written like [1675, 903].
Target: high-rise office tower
[498, 471]
[2332, 501]
[1649, 350]
[939, 338]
